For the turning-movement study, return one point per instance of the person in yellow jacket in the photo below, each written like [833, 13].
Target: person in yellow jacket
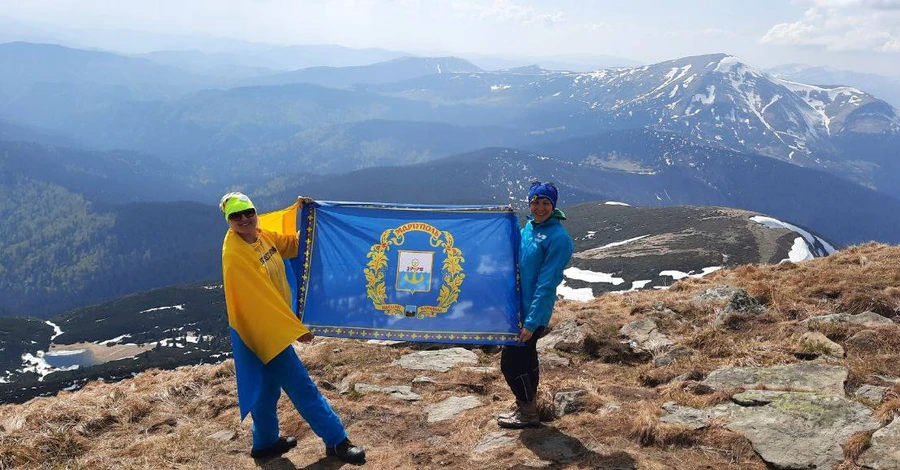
[263, 328]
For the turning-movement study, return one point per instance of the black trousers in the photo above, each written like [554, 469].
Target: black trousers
[519, 365]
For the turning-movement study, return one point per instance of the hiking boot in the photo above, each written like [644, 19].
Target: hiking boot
[282, 445]
[347, 452]
[511, 411]
[525, 417]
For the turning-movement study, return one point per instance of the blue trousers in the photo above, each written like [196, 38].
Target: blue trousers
[286, 372]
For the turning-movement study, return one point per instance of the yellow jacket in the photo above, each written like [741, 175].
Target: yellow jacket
[257, 294]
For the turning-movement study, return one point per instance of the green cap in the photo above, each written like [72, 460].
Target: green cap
[235, 202]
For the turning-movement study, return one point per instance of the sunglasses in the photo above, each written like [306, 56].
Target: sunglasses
[246, 213]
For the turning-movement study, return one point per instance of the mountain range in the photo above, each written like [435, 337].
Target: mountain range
[98, 149]
[397, 70]
[682, 173]
[715, 100]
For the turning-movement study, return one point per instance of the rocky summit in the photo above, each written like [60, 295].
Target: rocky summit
[728, 371]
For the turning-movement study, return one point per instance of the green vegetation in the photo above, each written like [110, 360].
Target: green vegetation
[64, 244]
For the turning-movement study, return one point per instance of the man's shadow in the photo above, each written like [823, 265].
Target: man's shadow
[551, 445]
[324, 463]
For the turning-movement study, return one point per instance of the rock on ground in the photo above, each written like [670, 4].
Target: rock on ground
[798, 430]
[441, 360]
[567, 336]
[399, 392]
[816, 340]
[810, 376]
[867, 319]
[872, 393]
[451, 407]
[494, 440]
[644, 335]
[884, 453]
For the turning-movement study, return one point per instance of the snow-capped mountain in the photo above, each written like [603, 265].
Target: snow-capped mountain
[847, 109]
[714, 99]
[882, 86]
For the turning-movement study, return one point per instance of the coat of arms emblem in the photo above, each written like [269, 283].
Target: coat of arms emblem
[414, 271]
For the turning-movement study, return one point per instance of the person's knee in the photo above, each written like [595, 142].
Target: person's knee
[507, 360]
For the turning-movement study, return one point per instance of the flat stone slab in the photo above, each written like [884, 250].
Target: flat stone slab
[441, 360]
[494, 440]
[867, 319]
[399, 392]
[223, 436]
[873, 393]
[558, 448]
[480, 370]
[451, 407]
[884, 453]
[801, 376]
[798, 430]
[688, 417]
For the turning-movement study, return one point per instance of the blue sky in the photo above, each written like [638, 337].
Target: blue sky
[861, 35]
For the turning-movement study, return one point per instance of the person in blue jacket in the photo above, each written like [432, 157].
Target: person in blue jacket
[544, 252]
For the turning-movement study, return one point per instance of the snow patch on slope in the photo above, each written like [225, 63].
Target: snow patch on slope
[583, 294]
[816, 244]
[590, 276]
[799, 251]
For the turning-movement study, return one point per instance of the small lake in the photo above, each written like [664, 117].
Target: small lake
[79, 357]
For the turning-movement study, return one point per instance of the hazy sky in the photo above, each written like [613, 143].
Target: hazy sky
[862, 35]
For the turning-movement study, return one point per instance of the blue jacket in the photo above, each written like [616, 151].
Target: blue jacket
[543, 254]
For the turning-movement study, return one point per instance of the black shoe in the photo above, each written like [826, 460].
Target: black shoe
[283, 445]
[347, 452]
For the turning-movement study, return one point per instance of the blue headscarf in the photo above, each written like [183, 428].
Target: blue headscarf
[543, 190]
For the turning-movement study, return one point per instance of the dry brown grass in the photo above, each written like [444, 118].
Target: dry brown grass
[648, 430]
[162, 419]
[887, 411]
[836, 332]
[857, 443]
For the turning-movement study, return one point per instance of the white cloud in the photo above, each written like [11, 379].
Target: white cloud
[460, 310]
[488, 265]
[843, 25]
[506, 11]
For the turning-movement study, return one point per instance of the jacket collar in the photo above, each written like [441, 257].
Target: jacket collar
[555, 217]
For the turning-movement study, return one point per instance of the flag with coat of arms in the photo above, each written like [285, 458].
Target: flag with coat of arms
[427, 273]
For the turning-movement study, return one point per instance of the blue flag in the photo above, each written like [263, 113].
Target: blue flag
[444, 274]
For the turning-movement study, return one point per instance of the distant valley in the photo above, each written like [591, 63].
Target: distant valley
[113, 163]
